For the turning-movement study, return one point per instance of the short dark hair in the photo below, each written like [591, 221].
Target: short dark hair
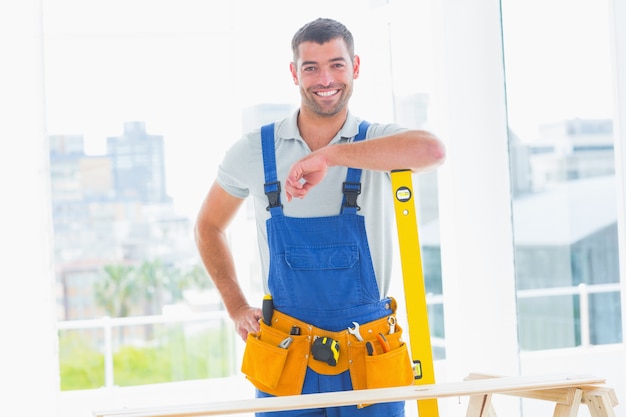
[322, 30]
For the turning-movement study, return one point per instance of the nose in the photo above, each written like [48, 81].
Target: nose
[325, 78]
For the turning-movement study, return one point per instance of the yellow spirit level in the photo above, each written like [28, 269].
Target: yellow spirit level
[414, 287]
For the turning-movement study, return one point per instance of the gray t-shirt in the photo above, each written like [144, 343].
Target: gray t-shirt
[241, 174]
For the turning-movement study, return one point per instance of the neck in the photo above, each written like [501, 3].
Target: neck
[317, 131]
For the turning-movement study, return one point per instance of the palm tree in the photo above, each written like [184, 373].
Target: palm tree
[152, 279]
[198, 277]
[122, 286]
[116, 290]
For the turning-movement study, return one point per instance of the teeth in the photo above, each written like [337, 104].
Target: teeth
[327, 93]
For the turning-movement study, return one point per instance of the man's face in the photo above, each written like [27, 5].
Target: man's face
[325, 74]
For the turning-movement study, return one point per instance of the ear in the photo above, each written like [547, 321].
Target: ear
[356, 65]
[294, 73]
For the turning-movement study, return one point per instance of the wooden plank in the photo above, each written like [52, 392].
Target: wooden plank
[571, 409]
[600, 402]
[607, 392]
[334, 399]
[480, 406]
[563, 395]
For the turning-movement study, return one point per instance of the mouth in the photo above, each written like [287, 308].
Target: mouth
[327, 93]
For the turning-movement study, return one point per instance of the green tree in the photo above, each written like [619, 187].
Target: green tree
[197, 277]
[152, 279]
[117, 290]
[150, 285]
[194, 277]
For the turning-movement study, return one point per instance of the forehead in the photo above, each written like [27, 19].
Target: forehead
[328, 51]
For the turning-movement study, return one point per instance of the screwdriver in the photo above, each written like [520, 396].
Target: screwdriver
[268, 309]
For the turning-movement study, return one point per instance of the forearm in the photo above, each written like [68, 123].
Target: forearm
[415, 150]
[219, 263]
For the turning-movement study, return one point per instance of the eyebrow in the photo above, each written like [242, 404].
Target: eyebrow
[342, 59]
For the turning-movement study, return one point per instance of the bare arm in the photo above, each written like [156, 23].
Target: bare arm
[216, 213]
[416, 150]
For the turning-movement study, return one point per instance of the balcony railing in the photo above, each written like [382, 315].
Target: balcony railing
[583, 293]
[219, 319]
[214, 319]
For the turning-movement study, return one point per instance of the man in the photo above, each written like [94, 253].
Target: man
[325, 252]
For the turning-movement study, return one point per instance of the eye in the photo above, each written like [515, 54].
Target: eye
[308, 69]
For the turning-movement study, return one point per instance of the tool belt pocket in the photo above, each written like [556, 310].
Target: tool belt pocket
[273, 369]
[380, 369]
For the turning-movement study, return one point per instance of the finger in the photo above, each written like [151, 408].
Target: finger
[294, 182]
[302, 191]
[288, 192]
[292, 192]
[254, 326]
[296, 194]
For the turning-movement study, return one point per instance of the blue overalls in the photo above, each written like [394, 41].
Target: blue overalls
[321, 272]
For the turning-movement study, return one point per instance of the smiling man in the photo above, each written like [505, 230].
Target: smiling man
[330, 79]
[325, 253]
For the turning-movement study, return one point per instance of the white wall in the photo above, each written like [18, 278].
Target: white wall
[475, 197]
[28, 354]
[618, 9]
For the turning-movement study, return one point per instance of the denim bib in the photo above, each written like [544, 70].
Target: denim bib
[320, 268]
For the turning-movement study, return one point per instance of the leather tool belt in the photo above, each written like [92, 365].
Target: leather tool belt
[279, 368]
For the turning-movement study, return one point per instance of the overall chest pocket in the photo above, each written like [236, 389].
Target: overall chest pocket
[324, 276]
[318, 257]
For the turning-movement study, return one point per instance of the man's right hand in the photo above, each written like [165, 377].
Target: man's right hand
[246, 320]
[305, 174]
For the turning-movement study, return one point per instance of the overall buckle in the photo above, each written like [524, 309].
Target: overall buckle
[351, 191]
[272, 191]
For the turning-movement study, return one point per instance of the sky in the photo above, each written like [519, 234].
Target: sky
[187, 67]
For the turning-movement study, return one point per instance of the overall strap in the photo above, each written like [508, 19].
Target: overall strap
[352, 184]
[272, 185]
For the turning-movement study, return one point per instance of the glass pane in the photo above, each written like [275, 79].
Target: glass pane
[81, 359]
[548, 322]
[173, 352]
[606, 319]
[560, 110]
[136, 121]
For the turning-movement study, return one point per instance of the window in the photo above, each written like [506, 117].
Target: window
[560, 101]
